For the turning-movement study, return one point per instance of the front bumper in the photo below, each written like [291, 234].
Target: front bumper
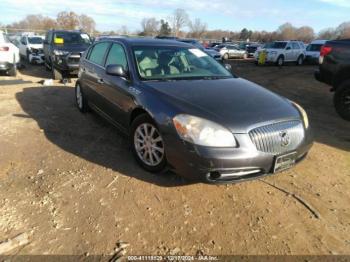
[226, 165]
[68, 63]
[36, 58]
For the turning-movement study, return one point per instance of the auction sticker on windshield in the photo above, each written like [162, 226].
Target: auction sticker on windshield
[198, 53]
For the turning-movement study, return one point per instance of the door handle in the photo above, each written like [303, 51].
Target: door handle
[100, 81]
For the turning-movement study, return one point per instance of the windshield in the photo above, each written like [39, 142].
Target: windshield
[314, 48]
[176, 63]
[72, 38]
[276, 45]
[35, 40]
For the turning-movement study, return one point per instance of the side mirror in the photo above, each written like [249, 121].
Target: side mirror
[228, 67]
[116, 70]
[288, 48]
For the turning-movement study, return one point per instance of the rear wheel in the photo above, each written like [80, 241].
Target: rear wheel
[13, 71]
[342, 100]
[147, 144]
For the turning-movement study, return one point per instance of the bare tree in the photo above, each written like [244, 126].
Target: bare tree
[179, 19]
[123, 30]
[287, 31]
[305, 34]
[343, 30]
[328, 34]
[86, 23]
[67, 20]
[150, 26]
[197, 28]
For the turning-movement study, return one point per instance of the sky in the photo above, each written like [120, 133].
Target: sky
[218, 14]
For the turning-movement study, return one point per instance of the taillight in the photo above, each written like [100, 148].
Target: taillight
[325, 50]
[4, 48]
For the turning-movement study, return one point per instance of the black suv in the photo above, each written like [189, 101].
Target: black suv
[63, 49]
[335, 71]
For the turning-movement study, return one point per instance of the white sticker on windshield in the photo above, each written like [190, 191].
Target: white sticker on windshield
[85, 36]
[198, 52]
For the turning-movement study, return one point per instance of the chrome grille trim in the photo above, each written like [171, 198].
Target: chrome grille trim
[269, 138]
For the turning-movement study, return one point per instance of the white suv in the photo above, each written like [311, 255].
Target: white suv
[9, 55]
[31, 48]
[279, 52]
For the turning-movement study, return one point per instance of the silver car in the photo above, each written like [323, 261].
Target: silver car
[228, 51]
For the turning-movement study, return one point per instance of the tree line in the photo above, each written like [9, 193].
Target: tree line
[178, 24]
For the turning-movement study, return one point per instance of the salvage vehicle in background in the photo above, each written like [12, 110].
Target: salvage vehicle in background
[228, 51]
[184, 110]
[280, 52]
[63, 49]
[9, 55]
[31, 48]
[334, 70]
[313, 51]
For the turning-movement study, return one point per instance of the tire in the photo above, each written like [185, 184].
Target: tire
[155, 161]
[13, 71]
[300, 60]
[27, 57]
[80, 99]
[280, 61]
[225, 57]
[56, 75]
[341, 100]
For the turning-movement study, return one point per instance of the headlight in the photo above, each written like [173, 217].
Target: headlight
[203, 132]
[303, 114]
[60, 52]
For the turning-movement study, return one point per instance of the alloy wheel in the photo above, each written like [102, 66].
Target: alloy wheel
[149, 144]
[79, 97]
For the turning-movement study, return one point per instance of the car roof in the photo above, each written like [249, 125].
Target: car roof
[319, 41]
[138, 41]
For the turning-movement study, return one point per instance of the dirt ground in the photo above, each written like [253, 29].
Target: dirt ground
[69, 181]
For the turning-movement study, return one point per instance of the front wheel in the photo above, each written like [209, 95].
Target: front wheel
[147, 144]
[280, 61]
[300, 60]
[80, 99]
[342, 100]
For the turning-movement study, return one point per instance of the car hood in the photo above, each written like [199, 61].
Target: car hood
[235, 103]
[73, 48]
[36, 46]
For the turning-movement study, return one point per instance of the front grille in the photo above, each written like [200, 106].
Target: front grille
[73, 59]
[278, 138]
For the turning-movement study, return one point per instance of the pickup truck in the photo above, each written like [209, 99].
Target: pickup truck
[62, 51]
[334, 70]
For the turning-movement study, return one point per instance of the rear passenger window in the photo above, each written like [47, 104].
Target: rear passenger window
[98, 52]
[116, 56]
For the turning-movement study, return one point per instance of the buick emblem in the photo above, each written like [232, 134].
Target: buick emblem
[285, 138]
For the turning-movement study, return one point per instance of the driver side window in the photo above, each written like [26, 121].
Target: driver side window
[117, 56]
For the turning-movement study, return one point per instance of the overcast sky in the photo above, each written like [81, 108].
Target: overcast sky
[225, 14]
